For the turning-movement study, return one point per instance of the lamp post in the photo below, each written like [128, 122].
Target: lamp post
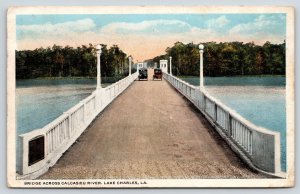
[129, 64]
[201, 47]
[98, 48]
[170, 65]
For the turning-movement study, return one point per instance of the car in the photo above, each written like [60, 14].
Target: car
[143, 73]
[157, 74]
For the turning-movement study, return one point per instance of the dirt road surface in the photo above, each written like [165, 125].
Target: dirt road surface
[150, 131]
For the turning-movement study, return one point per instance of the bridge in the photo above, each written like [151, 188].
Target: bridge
[149, 129]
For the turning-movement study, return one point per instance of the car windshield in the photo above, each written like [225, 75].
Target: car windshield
[143, 71]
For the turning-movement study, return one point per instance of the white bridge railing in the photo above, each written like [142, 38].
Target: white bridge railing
[257, 146]
[41, 148]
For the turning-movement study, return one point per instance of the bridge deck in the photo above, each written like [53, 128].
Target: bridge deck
[150, 131]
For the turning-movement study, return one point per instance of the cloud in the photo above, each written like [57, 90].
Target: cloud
[219, 22]
[49, 29]
[148, 26]
[261, 25]
[263, 28]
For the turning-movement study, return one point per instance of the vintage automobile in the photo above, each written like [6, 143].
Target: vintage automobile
[157, 74]
[143, 73]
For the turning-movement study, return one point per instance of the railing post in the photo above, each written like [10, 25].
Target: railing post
[98, 48]
[201, 47]
[99, 98]
[84, 112]
[129, 65]
[110, 93]
[215, 111]
[193, 94]
[70, 124]
[229, 131]
[24, 157]
[170, 65]
[204, 103]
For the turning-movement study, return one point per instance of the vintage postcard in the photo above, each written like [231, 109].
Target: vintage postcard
[150, 96]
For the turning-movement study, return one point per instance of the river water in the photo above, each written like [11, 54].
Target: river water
[261, 100]
[40, 102]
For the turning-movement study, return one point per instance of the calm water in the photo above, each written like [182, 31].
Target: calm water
[260, 100]
[41, 101]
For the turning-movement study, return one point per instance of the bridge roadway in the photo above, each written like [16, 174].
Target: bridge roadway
[150, 131]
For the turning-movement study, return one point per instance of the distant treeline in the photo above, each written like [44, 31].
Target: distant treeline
[70, 62]
[226, 59]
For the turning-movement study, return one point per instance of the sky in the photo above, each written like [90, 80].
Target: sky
[145, 36]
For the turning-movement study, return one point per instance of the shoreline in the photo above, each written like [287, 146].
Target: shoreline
[184, 76]
[70, 78]
[263, 75]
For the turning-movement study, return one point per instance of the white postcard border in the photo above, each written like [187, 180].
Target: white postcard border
[290, 86]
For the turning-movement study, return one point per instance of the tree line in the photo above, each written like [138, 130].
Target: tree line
[67, 61]
[226, 59]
